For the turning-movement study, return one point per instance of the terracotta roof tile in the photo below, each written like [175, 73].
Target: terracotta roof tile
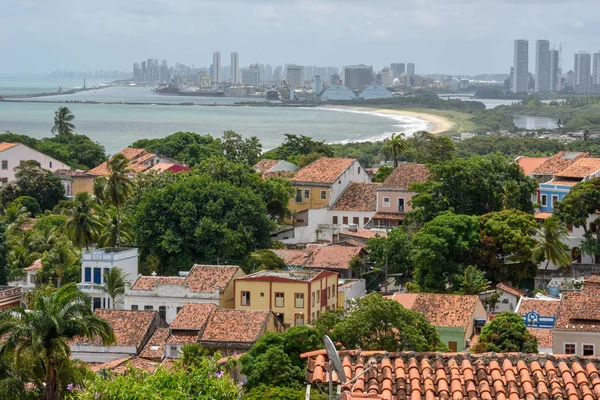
[594, 278]
[332, 257]
[362, 233]
[544, 336]
[130, 327]
[193, 316]
[354, 242]
[295, 258]
[407, 300]
[406, 174]
[563, 182]
[558, 162]
[546, 308]
[579, 312]
[529, 164]
[580, 168]
[240, 326]
[122, 365]
[509, 289]
[323, 170]
[155, 348]
[265, 165]
[294, 275]
[182, 337]
[135, 157]
[36, 266]
[390, 216]
[358, 196]
[150, 282]
[6, 145]
[542, 215]
[201, 278]
[459, 376]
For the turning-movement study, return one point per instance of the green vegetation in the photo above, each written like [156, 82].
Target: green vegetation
[393, 249]
[551, 247]
[394, 146]
[261, 260]
[299, 150]
[62, 122]
[506, 333]
[470, 280]
[509, 145]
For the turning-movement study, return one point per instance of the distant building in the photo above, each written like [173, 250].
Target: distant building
[374, 92]
[410, 70]
[216, 68]
[337, 93]
[542, 66]
[583, 74]
[596, 68]
[398, 69]
[521, 66]
[541, 325]
[294, 76]
[357, 76]
[318, 85]
[12, 154]
[251, 76]
[10, 296]
[577, 329]
[555, 72]
[235, 67]
[275, 168]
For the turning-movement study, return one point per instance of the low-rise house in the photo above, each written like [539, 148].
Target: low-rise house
[394, 197]
[140, 160]
[132, 331]
[508, 300]
[577, 329]
[155, 346]
[275, 168]
[359, 234]
[293, 259]
[29, 281]
[12, 154]
[168, 167]
[455, 317]
[540, 317]
[202, 284]
[10, 296]
[296, 297]
[336, 258]
[349, 289]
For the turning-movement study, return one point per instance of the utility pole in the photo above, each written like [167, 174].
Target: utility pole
[386, 270]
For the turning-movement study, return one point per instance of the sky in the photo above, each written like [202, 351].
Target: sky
[439, 36]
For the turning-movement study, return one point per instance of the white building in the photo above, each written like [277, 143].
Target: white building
[204, 284]
[29, 281]
[508, 300]
[349, 289]
[235, 67]
[11, 155]
[521, 67]
[294, 76]
[337, 92]
[96, 263]
[374, 92]
[251, 76]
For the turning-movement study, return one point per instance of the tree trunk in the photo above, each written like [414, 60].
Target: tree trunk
[118, 227]
[51, 390]
[546, 270]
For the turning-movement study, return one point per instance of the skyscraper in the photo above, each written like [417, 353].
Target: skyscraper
[216, 67]
[542, 66]
[358, 76]
[235, 68]
[596, 68]
[582, 68]
[555, 72]
[398, 69]
[410, 70]
[521, 67]
[294, 76]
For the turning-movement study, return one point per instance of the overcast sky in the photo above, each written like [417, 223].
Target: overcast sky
[440, 36]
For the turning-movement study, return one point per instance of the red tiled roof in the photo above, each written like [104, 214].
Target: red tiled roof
[390, 216]
[354, 242]
[201, 278]
[323, 170]
[407, 300]
[6, 145]
[406, 174]
[155, 348]
[362, 233]
[150, 282]
[542, 215]
[580, 168]
[135, 157]
[358, 196]
[161, 167]
[130, 327]
[120, 366]
[185, 337]
[332, 257]
[594, 278]
[509, 289]
[462, 376]
[36, 266]
[240, 326]
[193, 316]
[564, 182]
[579, 312]
[558, 162]
[529, 164]
[265, 165]
[292, 257]
[544, 336]
[546, 308]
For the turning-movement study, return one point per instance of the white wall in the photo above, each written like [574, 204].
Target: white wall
[101, 354]
[127, 260]
[20, 152]
[349, 175]
[324, 216]
[506, 301]
[354, 291]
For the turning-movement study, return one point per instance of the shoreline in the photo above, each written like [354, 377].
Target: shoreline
[439, 124]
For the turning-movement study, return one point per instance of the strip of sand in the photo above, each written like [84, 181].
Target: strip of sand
[439, 124]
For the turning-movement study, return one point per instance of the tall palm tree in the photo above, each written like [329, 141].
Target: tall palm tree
[471, 281]
[108, 233]
[14, 216]
[550, 245]
[82, 225]
[117, 186]
[46, 330]
[394, 146]
[62, 122]
[114, 283]
[58, 260]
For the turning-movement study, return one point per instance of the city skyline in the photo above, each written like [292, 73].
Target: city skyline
[432, 34]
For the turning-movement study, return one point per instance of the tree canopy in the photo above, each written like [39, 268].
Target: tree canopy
[506, 333]
[35, 182]
[295, 147]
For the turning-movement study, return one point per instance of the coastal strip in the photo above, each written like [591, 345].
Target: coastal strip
[438, 124]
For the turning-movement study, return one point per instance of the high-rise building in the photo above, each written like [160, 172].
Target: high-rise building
[387, 76]
[137, 72]
[398, 69]
[278, 74]
[542, 66]
[410, 70]
[358, 76]
[583, 61]
[216, 68]
[235, 68]
[521, 67]
[251, 75]
[318, 84]
[294, 76]
[596, 68]
[555, 72]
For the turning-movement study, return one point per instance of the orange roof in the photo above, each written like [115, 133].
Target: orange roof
[135, 157]
[150, 282]
[183, 337]
[241, 326]
[558, 162]
[544, 336]
[332, 257]
[193, 316]
[563, 182]
[390, 216]
[358, 196]
[130, 327]
[406, 174]
[323, 170]
[509, 289]
[529, 164]
[579, 312]
[546, 308]
[155, 347]
[6, 145]
[580, 168]
[36, 266]
[201, 278]
[409, 375]
[362, 233]
[265, 165]
[542, 215]
[292, 257]
[407, 300]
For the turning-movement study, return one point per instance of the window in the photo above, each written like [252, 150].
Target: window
[345, 220]
[279, 317]
[386, 201]
[570, 227]
[245, 298]
[554, 200]
[298, 196]
[335, 220]
[50, 164]
[306, 193]
[162, 310]
[299, 319]
[313, 315]
[318, 297]
[134, 307]
[569, 348]
[356, 220]
[97, 302]
[588, 349]
[279, 299]
[105, 274]
[453, 346]
[88, 274]
[312, 300]
[329, 292]
[323, 195]
[150, 308]
[299, 300]
[365, 220]
[318, 314]
[359, 170]
[544, 200]
[333, 290]
[400, 204]
[4, 164]
[98, 276]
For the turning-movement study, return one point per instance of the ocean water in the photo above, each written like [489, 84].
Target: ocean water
[116, 126]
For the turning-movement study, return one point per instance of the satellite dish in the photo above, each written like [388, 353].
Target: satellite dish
[334, 359]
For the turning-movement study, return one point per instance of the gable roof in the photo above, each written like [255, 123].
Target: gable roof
[406, 174]
[358, 196]
[581, 168]
[193, 316]
[529, 164]
[546, 308]
[323, 170]
[292, 257]
[201, 278]
[136, 159]
[363, 233]
[485, 376]
[407, 300]
[265, 165]
[155, 348]
[130, 327]
[150, 282]
[579, 312]
[558, 162]
[6, 145]
[511, 290]
[240, 326]
[332, 257]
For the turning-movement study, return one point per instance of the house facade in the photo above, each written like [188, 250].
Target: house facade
[577, 329]
[275, 168]
[11, 155]
[295, 297]
[540, 317]
[10, 296]
[140, 160]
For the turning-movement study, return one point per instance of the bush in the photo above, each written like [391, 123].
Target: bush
[30, 204]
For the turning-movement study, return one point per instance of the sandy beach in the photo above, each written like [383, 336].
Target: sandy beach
[439, 124]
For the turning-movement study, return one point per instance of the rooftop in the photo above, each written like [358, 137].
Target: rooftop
[509, 289]
[358, 196]
[362, 233]
[200, 279]
[130, 327]
[36, 266]
[580, 168]
[239, 326]
[406, 174]
[6, 145]
[558, 162]
[543, 335]
[155, 347]
[332, 257]
[136, 157]
[546, 308]
[579, 312]
[193, 316]
[265, 165]
[323, 170]
[281, 275]
[391, 216]
[292, 257]
[529, 164]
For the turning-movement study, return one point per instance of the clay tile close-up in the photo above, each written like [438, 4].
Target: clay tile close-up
[358, 196]
[323, 170]
[130, 327]
[193, 316]
[238, 326]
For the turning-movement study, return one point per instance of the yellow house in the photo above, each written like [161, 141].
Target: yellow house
[320, 183]
[296, 297]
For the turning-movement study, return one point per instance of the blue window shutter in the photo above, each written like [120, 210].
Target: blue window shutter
[88, 274]
[98, 275]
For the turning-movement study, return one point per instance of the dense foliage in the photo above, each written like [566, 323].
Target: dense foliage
[508, 145]
[506, 333]
[299, 150]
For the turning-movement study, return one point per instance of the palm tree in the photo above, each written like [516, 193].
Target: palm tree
[471, 281]
[114, 283]
[14, 216]
[108, 233]
[394, 146]
[550, 245]
[45, 332]
[62, 122]
[83, 224]
[58, 260]
[117, 186]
